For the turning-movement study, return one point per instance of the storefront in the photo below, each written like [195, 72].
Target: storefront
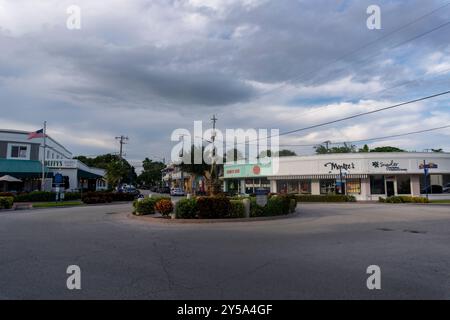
[367, 176]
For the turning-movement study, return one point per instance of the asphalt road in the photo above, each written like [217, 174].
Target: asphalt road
[321, 254]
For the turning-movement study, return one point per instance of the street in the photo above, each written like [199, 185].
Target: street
[323, 253]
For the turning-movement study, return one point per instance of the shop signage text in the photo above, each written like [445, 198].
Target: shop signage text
[337, 166]
[390, 166]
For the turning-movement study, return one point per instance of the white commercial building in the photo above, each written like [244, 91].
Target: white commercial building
[367, 176]
[21, 158]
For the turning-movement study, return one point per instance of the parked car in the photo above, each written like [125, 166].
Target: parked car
[164, 190]
[446, 188]
[177, 192]
[433, 189]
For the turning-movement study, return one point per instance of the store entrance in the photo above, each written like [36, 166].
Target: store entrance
[390, 190]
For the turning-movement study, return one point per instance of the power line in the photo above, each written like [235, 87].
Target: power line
[341, 58]
[353, 116]
[369, 139]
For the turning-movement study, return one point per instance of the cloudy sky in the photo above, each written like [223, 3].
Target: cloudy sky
[143, 68]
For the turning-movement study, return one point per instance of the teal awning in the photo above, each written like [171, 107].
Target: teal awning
[23, 168]
[87, 175]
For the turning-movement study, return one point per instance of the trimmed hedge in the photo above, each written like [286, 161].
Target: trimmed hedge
[403, 199]
[44, 196]
[325, 198]
[186, 209]
[217, 207]
[105, 197]
[6, 202]
[237, 209]
[277, 205]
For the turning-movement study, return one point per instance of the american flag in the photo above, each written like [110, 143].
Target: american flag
[36, 134]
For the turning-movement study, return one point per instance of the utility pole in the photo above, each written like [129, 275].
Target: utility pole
[327, 143]
[43, 156]
[182, 156]
[213, 165]
[121, 140]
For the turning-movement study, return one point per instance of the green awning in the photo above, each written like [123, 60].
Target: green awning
[87, 175]
[23, 168]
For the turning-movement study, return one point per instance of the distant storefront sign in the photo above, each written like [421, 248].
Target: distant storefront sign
[388, 165]
[248, 170]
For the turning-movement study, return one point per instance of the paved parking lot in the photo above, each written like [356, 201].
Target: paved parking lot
[322, 253]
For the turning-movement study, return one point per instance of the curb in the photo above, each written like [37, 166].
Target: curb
[210, 221]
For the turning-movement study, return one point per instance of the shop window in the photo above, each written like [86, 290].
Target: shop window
[354, 186]
[282, 186]
[327, 186]
[377, 185]
[265, 183]
[403, 185]
[305, 187]
[293, 186]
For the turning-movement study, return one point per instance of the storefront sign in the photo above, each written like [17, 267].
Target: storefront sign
[248, 170]
[388, 165]
[337, 166]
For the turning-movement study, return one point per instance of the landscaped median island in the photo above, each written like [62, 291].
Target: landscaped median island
[215, 207]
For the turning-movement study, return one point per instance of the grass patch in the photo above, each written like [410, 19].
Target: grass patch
[440, 201]
[57, 204]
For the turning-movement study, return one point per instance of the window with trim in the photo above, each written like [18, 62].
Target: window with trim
[354, 186]
[19, 152]
[403, 185]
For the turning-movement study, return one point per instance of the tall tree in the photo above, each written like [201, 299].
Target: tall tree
[117, 169]
[151, 173]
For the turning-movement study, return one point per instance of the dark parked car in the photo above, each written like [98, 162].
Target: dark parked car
[432, 189]
[446, 188]
[164, 190]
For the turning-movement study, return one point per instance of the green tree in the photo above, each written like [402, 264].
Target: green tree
[346, 148]
[286, 153]
[364, 149]
[151, 173]
[387, 149]
[113, 165]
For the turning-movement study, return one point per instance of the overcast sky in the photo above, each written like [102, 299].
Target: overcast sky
[143, 68]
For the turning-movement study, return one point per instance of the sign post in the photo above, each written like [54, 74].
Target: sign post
[59, 180]
[426, 170]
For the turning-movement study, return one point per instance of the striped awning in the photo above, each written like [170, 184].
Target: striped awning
[318, 177]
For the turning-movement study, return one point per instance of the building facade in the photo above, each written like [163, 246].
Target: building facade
[22, 159]
[367, 176]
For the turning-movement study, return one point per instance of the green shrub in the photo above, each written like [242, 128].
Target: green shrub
[237, 209]
[6, 202]
[186, 209]
[406, 199]
[36, 196]
[144, 206]
[69, 196]
[6, 194]
[276, 206]
[381, 199]
[326, 198]
[216, 207]
[255, 209]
